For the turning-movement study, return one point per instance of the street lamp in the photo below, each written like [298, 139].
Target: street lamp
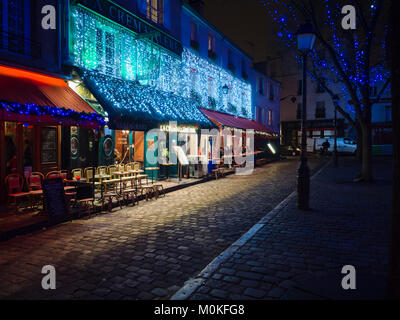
[305, 41]
[335, 153]
[225, 89]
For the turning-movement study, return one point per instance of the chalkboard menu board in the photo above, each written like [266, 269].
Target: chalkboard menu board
[49, 145]
[54, 200]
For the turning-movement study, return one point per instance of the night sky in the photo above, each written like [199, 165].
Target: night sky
[245, 22]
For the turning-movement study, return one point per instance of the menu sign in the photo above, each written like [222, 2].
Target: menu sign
[49, 145]
[54, 199]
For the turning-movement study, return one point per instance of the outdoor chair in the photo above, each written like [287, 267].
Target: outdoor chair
[14, 185]
[53, 175]
[34, 183]
[77, 173]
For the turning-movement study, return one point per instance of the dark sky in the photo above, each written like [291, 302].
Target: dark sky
[244, 21]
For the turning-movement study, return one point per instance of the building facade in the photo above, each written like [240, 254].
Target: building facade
[320, 107]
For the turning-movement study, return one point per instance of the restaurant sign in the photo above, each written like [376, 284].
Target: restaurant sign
[119, 15]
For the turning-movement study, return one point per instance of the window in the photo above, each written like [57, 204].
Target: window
[193, 31]
[14, 26]
[270, 117]
[261, 85]
[271, 92]
[193, 79]
[211, 43]
[244, 69]
[105, 53]
[259, 114]
[388, 113]
[320, 109]
[210, 87]
[298, 115]
[155, 11]
[300, 88]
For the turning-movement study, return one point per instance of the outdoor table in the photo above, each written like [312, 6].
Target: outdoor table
[120, 174]
[101, 177]
[152, 172]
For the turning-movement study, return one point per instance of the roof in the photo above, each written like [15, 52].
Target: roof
[227, 120]
[128, 103]
[34, 94]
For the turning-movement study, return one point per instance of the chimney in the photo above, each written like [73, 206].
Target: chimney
[197, 5]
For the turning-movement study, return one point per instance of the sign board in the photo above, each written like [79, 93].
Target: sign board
[123, 17]
[54, 200]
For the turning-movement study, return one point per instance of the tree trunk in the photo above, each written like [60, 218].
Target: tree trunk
[359, 142]
[366, 170]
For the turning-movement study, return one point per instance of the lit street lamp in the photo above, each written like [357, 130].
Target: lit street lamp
[305, 41]
[335, 153]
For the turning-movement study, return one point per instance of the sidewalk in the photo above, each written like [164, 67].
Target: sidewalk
[291, 254]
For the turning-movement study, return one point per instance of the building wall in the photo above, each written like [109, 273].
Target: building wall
[265, 100]
[33, 46]
[230, 66]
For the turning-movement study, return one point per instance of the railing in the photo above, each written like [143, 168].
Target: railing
[20, 45]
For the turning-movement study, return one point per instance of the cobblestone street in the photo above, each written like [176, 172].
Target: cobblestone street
[147, 251]
[300, 254]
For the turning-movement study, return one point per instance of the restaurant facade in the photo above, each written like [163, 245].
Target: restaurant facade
[131, 71]
[37, 107]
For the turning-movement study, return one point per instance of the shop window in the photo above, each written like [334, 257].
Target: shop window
[11, 147]
[49, 145]
[320, 109]
[155, 11]
[27, 158]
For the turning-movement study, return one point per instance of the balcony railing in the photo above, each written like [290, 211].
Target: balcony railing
[20, 45]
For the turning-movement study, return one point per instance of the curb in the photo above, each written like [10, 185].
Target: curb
[193, 284]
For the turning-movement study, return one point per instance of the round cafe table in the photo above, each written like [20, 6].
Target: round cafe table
[152, 169]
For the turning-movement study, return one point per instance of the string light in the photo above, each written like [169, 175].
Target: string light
[58, 113]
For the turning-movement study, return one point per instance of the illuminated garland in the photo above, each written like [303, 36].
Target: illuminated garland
[33, 109]
[130, 99]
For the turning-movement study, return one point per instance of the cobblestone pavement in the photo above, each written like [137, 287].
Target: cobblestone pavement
[300, 255]
[147, 251]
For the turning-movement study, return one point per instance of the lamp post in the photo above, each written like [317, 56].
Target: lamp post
[305, 41]
[335, 153]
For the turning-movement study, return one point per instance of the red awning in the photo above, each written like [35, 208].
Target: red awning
[26, 87]
[227, 120]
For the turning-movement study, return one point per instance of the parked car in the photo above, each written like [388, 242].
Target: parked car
[344, 145]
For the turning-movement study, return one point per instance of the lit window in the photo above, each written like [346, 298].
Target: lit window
[211, 43]
[155, 11]
[270, 117]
